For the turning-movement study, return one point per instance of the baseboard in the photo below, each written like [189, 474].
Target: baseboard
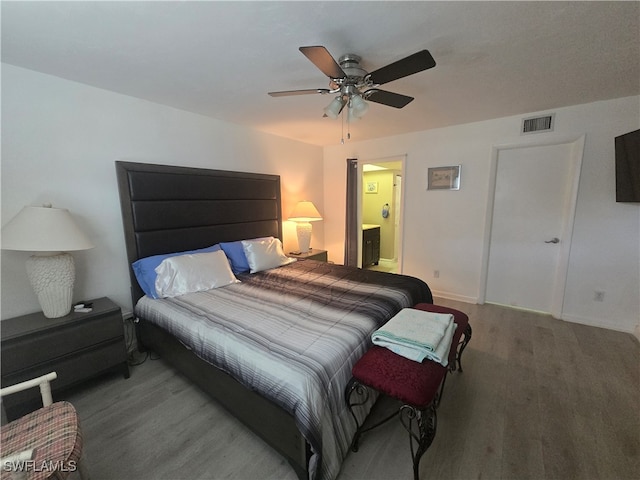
[592, 322]
[455, 297]
[387, 260]
[598, 322]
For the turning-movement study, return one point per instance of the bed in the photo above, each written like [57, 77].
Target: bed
[276, 348]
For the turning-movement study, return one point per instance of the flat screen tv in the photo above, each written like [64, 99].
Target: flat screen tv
[628, 167]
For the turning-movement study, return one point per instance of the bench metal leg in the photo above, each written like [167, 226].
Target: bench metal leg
[420, 423]
[426, 421]
[362, 392]
[466, 338]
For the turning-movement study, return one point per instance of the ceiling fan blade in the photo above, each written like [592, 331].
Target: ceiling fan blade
[322, 59]
[415, 63]
[287, 93]
[387, 98]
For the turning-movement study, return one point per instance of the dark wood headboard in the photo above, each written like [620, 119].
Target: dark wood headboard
[171, 209]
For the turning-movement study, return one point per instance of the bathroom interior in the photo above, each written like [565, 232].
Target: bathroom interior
[381, 215]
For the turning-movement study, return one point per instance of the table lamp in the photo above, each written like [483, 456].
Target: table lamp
[304, 213]
[50, 232]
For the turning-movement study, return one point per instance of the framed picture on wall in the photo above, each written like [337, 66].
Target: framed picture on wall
[371, 187]
[444, 178]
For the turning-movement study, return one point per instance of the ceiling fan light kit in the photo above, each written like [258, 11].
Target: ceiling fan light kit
[352, 116]
[335, 107]
[353, 85]
[358, 106]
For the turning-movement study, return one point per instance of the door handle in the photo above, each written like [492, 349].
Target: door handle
[553, 240]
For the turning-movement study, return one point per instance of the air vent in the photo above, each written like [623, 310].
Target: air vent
[538, 124]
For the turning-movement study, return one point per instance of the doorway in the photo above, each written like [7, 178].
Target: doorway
[380, 212]
[529, 224]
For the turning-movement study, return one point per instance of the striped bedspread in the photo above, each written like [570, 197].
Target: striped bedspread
[293, 334]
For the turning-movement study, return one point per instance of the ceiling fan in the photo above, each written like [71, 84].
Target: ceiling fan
[352, 84]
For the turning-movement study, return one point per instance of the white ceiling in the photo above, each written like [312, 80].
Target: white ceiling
[220, 59]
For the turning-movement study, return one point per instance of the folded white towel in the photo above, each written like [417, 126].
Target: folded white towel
[415, 327]
[441, 355]
[417, 334]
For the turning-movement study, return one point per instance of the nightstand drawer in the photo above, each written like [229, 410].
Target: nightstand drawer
[71, 370]
[23, 352]
[78, 346]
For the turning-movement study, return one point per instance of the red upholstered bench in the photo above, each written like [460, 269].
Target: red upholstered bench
[418, 386]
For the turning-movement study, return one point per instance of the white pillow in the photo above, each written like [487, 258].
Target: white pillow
[193, 273]
[265, 253]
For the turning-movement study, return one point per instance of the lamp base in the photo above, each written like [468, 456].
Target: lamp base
[303, 229]
[52, 278]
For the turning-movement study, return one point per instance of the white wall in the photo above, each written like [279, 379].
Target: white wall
[59, 143]
[445, 230]
[60, 139]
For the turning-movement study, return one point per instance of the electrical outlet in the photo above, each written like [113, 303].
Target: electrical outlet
[598, 296]
[436, 274]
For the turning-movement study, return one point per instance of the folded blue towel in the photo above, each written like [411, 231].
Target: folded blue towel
[417, 334]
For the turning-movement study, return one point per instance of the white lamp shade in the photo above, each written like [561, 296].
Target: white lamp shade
[358, 106]
[334, 108]
[44, 229]
[352, 116]
[305, 211]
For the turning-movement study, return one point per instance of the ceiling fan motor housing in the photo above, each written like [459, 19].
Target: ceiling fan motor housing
[350, 64]
[354, 80]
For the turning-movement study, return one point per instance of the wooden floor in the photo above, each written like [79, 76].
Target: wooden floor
[539, 399]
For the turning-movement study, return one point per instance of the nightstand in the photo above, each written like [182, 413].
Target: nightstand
[77, 347]
[319, 255]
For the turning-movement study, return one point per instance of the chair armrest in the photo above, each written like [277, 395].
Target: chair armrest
[17, 457]
[16, 464]
[42, 382]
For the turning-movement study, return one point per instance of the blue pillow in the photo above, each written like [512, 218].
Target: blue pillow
[235, 253]
[145, 268]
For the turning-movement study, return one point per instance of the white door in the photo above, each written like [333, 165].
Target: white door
[533, 202]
